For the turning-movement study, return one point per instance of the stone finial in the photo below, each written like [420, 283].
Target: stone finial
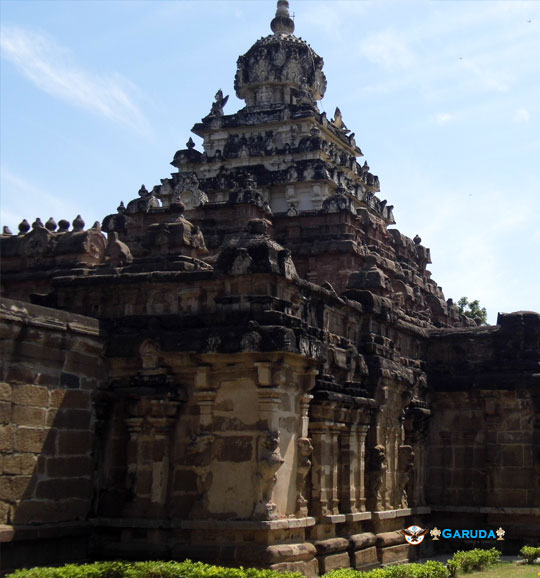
[24, 227]
[6, 230]
[63, 226]
[121, 207]
[417, 240]
[37, 224]
[282, 23]
[78, 223]
[96, 226]
[51, 225]
[190, 144]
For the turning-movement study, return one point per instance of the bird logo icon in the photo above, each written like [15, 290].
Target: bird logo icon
[414, 535]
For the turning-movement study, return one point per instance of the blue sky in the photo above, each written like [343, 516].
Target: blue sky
[444, 98]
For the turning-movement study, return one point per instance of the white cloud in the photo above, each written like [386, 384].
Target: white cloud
[47, 66]
[389, 50]
[444, 118]
[26, 196]
[522, 115]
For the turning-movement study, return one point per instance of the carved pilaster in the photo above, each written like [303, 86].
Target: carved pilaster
[348, 446]
[205, 400]
[269, 403]
[324, 472]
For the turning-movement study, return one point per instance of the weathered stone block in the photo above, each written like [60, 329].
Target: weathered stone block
[74, 442]
[393, 554]
[69, 467]
[44, 511]
[30, 395]
[283, 552]
[5, 391]
[21, 464]
[62, 488]
[20, 374]
[333, 562]
[361, 541]
[80, 363]
[365, 559]
[70, 380]
[29, 439]
[14, 488]
[386, 539]
[33, 350]
[5, 412]
[28, 416]
[5, 513]
[309, 569]
[71, 419]
[331, 546]
[6, 437]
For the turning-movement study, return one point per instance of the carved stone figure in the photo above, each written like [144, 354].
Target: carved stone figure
[117, 251]
[406, 467]
[292, 211]
[303, 466]
[199, 455]
[377, 472]
[269, 461]
[219, 104]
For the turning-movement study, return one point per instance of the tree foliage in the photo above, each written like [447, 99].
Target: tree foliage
[473, 310]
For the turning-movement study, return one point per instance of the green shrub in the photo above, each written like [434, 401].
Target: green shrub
[471, 560]
[97, 570]
[430, 569]
[530, 553]
[185, 569]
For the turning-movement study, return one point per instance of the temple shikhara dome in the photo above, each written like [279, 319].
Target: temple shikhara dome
[247, 363]
[280, 68]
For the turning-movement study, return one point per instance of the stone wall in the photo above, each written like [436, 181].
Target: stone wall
[483, 467]
[50, 371]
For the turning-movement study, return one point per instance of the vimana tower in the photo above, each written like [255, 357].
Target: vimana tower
[246, 365]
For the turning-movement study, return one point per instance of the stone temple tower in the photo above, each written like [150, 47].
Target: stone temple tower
[246, 364]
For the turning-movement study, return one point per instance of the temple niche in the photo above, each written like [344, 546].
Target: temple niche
[257, 367]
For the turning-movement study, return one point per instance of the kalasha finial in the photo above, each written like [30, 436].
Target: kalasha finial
[282, 23]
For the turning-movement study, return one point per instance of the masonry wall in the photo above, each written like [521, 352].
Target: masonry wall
[51, 369]
[483, 462]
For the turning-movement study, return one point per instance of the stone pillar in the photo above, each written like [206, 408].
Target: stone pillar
[304, 450]
[161, 419]
[349, 465]
[361, 468]
[325, 455]
[134, 427]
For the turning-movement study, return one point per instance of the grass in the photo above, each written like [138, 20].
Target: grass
[506, 570]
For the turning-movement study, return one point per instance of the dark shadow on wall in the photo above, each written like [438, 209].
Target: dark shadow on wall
[51, 371]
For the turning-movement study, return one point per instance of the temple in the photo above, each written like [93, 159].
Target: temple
[247, 364]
